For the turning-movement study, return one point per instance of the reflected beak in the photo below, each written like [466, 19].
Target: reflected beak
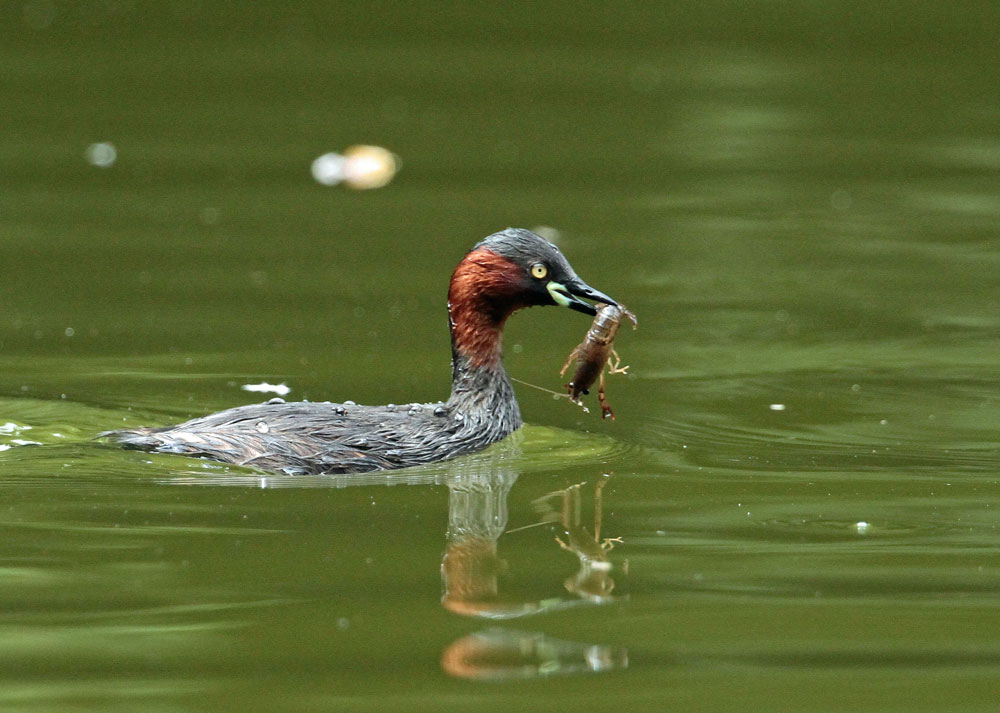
[569, 294]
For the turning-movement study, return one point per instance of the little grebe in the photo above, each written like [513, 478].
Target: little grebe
[505, 272]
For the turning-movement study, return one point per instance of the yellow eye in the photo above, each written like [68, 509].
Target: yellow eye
[539, 270]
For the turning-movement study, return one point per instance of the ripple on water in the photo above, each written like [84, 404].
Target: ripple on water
[726, 446]
[859, 421]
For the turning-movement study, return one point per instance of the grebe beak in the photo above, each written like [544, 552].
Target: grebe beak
[568, 295]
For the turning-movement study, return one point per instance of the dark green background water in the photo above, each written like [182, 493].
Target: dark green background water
[799, 200]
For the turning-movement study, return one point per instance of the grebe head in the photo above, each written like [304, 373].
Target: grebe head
[516, 268]
[505, 272]
[541, 272]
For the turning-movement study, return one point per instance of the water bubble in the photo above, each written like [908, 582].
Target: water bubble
[69, 331]
[209, 215]
[102, 155]
[840, 200]
[777, 407]
[262, 427]
[862, 527]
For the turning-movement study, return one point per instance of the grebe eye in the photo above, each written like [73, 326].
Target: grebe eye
[539, 270]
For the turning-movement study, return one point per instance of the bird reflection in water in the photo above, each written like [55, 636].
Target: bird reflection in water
[471, 567]
[502, 654]
[471, 571]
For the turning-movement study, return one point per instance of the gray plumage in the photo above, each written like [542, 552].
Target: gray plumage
[311, 438]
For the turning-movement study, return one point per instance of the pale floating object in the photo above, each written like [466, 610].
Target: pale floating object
[266, 388]
[862, 527]
[360, 167]
[102, 155]
[777, 407]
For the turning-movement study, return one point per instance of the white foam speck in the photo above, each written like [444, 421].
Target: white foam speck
[266, 388]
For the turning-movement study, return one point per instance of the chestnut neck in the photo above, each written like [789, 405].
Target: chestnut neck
[482, 294]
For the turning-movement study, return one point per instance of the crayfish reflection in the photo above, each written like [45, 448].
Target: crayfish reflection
[593, 581]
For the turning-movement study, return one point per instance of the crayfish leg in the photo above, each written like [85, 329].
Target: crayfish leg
[613, 365]
[605, 409]
[569, 360]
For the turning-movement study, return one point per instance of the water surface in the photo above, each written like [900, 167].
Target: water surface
[797, 506]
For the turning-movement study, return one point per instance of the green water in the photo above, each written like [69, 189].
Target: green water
[798, 200]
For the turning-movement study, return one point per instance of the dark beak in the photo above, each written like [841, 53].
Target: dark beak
[576, 288]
